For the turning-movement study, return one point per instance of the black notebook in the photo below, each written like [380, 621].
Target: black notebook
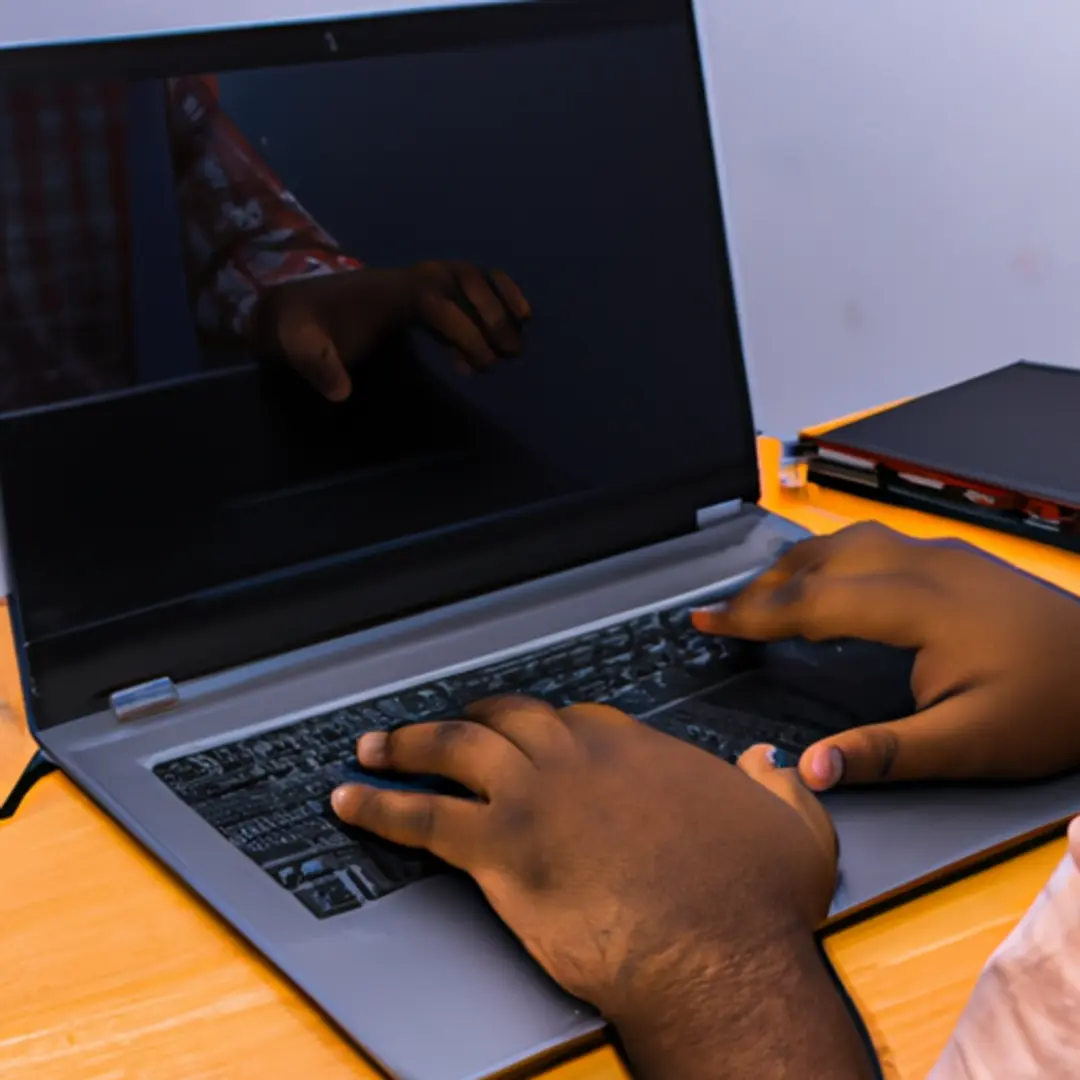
[1001, 450]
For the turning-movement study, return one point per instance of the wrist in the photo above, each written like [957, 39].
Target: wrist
[762, 1006]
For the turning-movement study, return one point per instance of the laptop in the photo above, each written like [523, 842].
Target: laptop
[969, 451]
[220, 579]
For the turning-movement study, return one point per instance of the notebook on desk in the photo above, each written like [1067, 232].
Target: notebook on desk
[1001, 450]
[222, 579]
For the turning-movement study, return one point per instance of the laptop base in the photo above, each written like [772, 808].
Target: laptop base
[426, 979]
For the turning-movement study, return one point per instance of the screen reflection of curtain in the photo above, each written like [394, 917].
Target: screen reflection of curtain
[163, 331]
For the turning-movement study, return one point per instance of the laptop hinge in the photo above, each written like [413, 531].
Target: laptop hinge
[146, 699]
[710, 515]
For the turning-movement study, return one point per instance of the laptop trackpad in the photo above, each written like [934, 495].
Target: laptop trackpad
[864, 682]
[894, 837]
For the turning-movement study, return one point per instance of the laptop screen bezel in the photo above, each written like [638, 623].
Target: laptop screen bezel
[73, 675]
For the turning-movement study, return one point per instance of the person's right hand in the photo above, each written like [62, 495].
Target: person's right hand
[997, 672]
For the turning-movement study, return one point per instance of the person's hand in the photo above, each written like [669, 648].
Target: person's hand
[325, 324]
[627, 862]
[996, 673]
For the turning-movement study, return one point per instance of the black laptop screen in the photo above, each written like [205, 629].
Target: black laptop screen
[496, 232]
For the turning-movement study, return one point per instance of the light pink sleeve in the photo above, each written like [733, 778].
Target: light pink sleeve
[1023, 1019]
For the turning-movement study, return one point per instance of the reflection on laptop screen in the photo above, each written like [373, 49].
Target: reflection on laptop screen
[511, 245]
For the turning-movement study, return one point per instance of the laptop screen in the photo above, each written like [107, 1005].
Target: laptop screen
[354, 293]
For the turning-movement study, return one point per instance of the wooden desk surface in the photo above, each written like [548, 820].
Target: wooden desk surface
[114, 971]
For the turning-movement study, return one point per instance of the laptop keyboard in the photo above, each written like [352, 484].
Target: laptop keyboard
[268, 794]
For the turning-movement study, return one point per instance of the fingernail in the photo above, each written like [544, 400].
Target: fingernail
[781, 759]
[339, 800]
[371, 749]
[827, 766]
[335, 386]
[702, 618]
[713, 609]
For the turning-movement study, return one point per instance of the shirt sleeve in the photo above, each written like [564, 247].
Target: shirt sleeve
[1021, 1022]
[243, 230]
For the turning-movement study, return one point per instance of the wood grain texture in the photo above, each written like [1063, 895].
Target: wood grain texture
[114, 971]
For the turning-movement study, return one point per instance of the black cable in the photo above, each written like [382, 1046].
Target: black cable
[37, 767]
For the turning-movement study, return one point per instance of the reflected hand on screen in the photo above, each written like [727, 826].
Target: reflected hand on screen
[325, 326]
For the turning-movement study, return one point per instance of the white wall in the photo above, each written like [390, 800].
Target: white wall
[904, 187]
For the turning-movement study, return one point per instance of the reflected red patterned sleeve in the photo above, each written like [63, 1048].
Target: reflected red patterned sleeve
[244, 231]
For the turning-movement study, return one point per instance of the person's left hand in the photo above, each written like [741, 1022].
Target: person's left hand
[625, 860]
[325, 324]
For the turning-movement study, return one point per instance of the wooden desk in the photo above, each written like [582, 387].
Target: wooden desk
[113, 971]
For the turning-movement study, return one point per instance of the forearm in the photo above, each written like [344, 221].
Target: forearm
[774, 1014]
[244, 231]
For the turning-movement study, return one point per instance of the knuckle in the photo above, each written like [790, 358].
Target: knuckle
[419, 820]
[866, 532]
[866, 540]
[469, 276]
[402, 814]
[745, 615]
[514, 817]
[430, 746]
[431, 269]
[515, 703]
[429, 303]
[449, 734]
[603, 748]
[880, 747]
[593, 710]
[811, 598]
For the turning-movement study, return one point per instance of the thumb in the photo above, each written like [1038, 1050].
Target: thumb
[312, 354]
[938, 743]
[774, 769]
[767, 764]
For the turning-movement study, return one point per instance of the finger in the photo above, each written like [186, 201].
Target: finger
[763, 762]
[461, 365]
[512, 296]
[312, 354]
[533, 726]
[449, 322]
[805, 557]
[775, 770]
[469, 753]
[497, 323]
[447, 827]
[891, 609]
[863, 549]
[944, 742]
[590, 713]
